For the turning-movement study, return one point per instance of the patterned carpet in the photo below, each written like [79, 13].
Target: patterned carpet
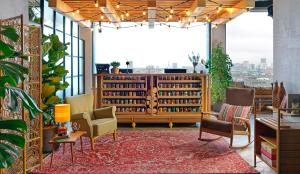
[150, 151]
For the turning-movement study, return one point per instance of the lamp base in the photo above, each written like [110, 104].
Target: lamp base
[62, 130]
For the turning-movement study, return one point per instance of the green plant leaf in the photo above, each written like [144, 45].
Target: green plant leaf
[9, 32]
[13, 139]
[6, 159]
[17, 125]
[52, 100]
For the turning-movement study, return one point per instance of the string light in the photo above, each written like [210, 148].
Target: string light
[187, 13]
[207, 17]
[96, 4]
[167, 19]
[171, 10]
[230, 10]
[92, 29]
[73, 13]
[118, 5]
[127, 14]
[170, 16]
[219, 9]
[102, 17]
[77, 11]
[144, 13]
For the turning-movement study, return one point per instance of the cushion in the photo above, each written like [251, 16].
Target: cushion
[228, 112]
[104, 126]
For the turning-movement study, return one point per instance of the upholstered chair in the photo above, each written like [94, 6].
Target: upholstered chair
[96, 122]
[238, 102]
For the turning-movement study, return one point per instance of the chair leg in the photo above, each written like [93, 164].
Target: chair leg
[231, 141]
[115, 135]
[249, 134]
[200, 133]
[92, 143]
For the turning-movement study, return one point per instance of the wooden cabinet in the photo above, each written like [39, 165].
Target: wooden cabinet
[284, 136]
[153, 97]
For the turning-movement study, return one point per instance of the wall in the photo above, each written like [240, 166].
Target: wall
[287, 43]
[11, 8]
[219, 35]
[86, 35]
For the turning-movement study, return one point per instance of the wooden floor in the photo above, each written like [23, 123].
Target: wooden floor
[239, 141]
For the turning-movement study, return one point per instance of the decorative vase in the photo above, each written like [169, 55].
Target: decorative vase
[115, 70]
[275, 99]
[281, 92]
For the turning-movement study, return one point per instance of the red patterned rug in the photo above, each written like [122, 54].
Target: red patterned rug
[150, 151]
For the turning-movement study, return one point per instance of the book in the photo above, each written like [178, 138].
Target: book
[270, 149]
[268, 160]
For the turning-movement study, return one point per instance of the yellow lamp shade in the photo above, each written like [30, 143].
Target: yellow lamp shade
[62, 113]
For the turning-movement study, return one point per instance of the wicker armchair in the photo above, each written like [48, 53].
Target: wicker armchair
[211, 123]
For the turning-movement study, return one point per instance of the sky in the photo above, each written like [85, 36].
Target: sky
[249, 37]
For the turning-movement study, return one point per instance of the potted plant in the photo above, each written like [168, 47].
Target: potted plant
[115, 69]
[219, 67]
[195, 60]
[11, 75]
[53, 73]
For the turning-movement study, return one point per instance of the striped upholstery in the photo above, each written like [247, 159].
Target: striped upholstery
[228, 112]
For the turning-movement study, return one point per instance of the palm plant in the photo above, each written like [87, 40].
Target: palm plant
[11, 75]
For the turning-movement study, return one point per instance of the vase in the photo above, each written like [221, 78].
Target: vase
[115, 70]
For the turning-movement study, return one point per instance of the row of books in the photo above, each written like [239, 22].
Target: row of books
[179, 78]
[123, 101]
[268, 153]
[124, 77]
[124, 93]
[133, 109]
[124, 85]
[179, 101]
[179, 85]
[179, 109]
[179, 93]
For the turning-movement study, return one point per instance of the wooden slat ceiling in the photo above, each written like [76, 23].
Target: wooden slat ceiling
[137, 10]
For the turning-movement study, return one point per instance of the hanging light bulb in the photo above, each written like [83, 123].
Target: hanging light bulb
[171, 10]
[122, 17]
[144, 13]
[207, 17]
[92, 29]
[170, 16]
[167, 19]
[102, 17]
[127, 14]
[73, 13]
[187, 13]
[77, 11]
[96, 4]
[118, 5]
[89, 20]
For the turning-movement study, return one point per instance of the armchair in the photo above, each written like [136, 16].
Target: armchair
[96, 122]
[216, 123]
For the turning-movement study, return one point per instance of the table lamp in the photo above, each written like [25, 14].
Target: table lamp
[62, 115]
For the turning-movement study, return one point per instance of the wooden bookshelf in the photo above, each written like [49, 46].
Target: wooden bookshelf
[145, 98]
[281, 134]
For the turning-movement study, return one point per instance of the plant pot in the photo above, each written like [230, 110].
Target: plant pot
[48, 133]
[115, 70]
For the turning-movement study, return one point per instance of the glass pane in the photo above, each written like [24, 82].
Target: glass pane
[59, 22]
[68, 40]
[75, 29]
[68, 26]
[60, 94]
[48, 15]
[75, 85]
[75, 46]
[60, 35]
[47, 30]
[81, 83]
[68, 65]
[81, 68]
[75, 66]
[81, 48]
[68, 90]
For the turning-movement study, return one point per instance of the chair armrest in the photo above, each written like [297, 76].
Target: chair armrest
[107, 112]
[210, 113]
[84, 121]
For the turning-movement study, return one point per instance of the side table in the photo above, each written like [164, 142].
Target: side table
[71, 140]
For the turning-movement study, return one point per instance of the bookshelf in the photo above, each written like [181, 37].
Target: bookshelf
[158, 98]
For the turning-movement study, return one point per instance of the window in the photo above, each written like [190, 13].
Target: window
[68, 32]
[250, 46]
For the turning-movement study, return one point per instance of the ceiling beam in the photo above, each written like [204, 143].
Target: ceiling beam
[111, 14]
[234, 12]
[62, 7]
[151, 13]
[195, 10]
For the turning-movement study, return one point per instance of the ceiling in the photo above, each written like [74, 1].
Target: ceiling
[184, 11]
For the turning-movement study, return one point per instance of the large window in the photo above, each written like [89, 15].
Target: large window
[151, 50]
[68, 32]
[250, 46]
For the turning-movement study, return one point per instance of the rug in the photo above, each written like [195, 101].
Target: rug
[150, 151]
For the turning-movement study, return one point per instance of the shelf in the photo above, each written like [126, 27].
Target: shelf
[274, 168]
[124, 81]
[181, 113]
[125, 105]
[179, 81]
[124, 97]
[124, 89]
[270, 140]
[130, 113]
[179, 105]
[179, 97]
[179, 89]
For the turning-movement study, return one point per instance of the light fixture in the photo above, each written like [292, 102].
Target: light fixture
[89, 20]
[62, 115]
[92, 29]
[102, 17]
[167, 19]
[96, 4]
[144, 12]
[77, 11]
[219, 8]
[187, 13]
[171, 10]
[230, 10]
[170, 16]
[127, 14]
[207, 17]
[118, 5]
[73, 13]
